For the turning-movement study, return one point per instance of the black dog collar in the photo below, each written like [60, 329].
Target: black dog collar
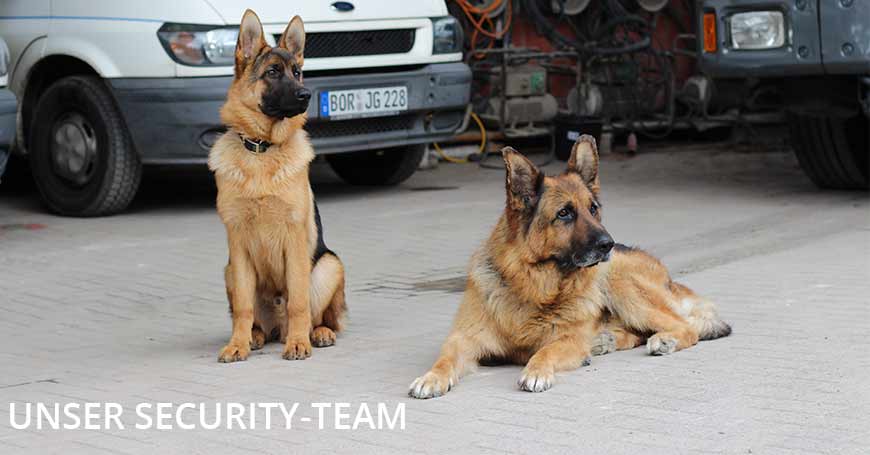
[255, 145]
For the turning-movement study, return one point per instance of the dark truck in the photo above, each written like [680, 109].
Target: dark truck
[817, 55]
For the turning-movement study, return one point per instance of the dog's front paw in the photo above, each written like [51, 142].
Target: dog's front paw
[322, 337]
[661, 345]
[297, 349]
[430, 385]
[603, 343]
[536, 380]
[234, 352]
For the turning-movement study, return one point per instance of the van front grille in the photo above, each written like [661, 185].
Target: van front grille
[363, 42]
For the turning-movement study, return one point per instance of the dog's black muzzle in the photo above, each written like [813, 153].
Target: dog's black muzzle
[590, 256]
[288, 105]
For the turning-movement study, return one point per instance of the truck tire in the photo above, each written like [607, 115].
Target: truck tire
[832, 151]
[81, 155]
[377, 167]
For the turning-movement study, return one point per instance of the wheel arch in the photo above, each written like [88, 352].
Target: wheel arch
[45, 72]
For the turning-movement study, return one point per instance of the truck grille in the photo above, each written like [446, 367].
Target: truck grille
[360, 126]
[364, 42]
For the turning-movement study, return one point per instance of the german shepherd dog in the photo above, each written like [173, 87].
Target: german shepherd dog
[282, 282]
[550, 288]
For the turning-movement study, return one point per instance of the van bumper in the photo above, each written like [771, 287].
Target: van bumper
[176, 120]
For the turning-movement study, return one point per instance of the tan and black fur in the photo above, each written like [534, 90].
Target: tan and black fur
[282, 282]
[549, 288]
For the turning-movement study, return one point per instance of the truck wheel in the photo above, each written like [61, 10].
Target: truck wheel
[377, 167]
[833, 152]
[81, 156]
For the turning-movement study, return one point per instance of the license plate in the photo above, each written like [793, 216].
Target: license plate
[363, 102]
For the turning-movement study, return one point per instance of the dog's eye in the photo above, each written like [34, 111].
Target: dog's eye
[566, 214]
[296, 73]
[593, 209]
[273, 73]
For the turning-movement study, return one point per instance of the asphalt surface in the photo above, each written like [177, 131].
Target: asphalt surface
[132, 309]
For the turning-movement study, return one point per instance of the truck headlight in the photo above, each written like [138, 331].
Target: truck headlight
[199, 45]
[446, 35]
[757, 30]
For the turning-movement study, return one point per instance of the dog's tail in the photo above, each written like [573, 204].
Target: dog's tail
[706, 320]
[700, 313]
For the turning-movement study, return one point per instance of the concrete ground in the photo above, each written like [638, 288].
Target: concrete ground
[131, 309]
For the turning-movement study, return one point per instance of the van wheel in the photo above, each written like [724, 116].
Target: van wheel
[377, 167]
[832, 151]
[81, 156]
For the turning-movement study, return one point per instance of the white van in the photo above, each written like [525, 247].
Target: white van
[106, 86]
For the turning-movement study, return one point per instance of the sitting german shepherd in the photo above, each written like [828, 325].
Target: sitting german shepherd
[283, 283]
[550, 288]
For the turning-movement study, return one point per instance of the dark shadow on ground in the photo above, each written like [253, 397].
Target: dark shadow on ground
[183, 188]
[738, 165]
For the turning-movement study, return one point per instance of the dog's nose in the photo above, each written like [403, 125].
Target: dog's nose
[303, 95]
[604, 243]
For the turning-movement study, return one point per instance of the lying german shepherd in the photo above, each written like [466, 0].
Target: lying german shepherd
[549, 288]
[282, 281]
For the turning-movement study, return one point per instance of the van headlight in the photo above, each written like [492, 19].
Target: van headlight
[757, 30]
[446, 35]
[199, 45]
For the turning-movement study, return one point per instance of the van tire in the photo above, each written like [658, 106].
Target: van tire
[76, 121]
[377, 167]
[833, 151]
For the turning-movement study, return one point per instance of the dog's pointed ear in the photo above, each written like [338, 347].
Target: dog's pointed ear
[584, 161]
[522, 181]
[251, 40]
[293, 38]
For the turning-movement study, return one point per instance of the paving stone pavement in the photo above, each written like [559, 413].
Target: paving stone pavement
[132, 309]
